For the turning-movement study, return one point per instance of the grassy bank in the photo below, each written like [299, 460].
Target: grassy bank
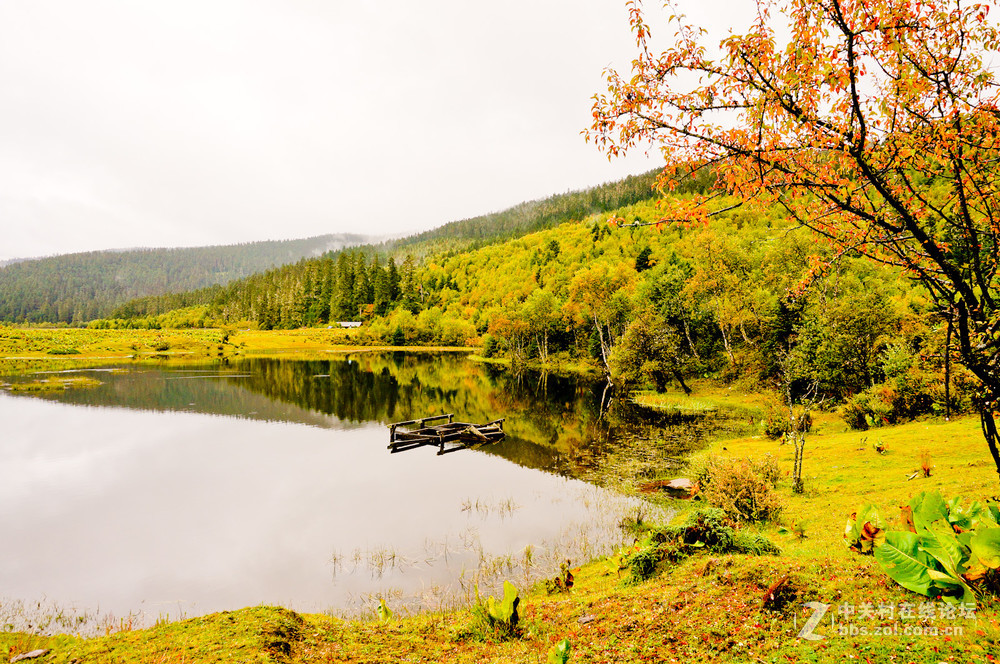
[23, 350]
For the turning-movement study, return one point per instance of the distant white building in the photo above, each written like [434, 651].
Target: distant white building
[348, 323]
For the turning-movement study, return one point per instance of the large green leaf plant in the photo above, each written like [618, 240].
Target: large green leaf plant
[499, 616]
[949, 549]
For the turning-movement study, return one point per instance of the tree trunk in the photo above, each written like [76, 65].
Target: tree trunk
[947, 369]
[604, 349]
[990, 432]
[660, 378]
[985, 371]
[680, 380]
[687, 333]
[799, 440]
[725, 342]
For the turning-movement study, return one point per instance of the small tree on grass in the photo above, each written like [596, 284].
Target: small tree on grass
[799, 421]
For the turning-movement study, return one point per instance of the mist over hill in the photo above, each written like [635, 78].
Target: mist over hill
[73, 288]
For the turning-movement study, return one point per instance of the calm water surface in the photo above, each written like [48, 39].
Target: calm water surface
[180, 491]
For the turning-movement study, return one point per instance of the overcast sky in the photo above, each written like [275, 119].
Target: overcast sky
[151, 123]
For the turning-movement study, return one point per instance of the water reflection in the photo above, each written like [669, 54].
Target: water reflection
[135, 495]
[560, 424]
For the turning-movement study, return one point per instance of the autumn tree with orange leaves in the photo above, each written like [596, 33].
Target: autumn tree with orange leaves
[873, 122]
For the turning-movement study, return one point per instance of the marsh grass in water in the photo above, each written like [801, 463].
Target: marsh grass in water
[483, 507]
[45, 617]
[477, 568]
[679, 402]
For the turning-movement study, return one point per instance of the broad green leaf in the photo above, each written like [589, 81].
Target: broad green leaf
[985, 547]
[850, 530]
[965, 518]
[901, 558]
[509, 599]
[993, 509]
[855, 528]
[952, 590]
[559, 654]
[928, 507]
[383, 611]
[939, 541]
[504, 611]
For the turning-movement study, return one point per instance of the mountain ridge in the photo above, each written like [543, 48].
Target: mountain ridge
[82, 286]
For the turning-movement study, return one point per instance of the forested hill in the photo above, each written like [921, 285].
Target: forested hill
[81, 287]
[531, 216]
[283, 298]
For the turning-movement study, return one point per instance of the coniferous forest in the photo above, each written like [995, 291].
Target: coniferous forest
[76, 288]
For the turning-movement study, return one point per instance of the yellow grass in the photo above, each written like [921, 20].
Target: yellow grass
[26, 349]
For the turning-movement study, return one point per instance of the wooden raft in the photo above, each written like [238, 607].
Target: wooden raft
[448, 437]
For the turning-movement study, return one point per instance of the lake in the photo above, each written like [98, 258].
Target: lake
[178, 490]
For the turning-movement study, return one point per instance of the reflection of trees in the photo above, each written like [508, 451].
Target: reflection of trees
[638, 443]
[374, 387]
[548, 417]
[212, 390]
[553, 422]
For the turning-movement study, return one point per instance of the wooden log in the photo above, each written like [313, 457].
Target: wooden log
[421, 421]
[407, 435]
[403, 447]
[476, 433]
[408, 439]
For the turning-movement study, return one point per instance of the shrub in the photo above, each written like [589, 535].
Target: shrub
[854, 413]
[398, 337]
[742, 488]
[490, 345]
[709, 529]
[754, 544]
[775, 421]
[63, 351]
[642, 564]
[908, 392]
